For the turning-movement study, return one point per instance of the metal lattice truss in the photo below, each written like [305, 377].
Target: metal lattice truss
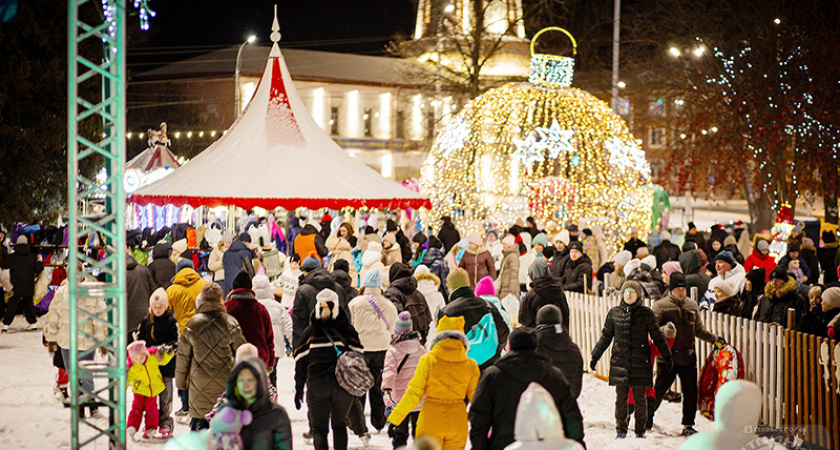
[97, 242]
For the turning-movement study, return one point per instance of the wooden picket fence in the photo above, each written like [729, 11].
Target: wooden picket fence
[761, 346]
[812, 391]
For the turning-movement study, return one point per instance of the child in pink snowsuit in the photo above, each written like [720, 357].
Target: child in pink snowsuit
[146, 383]
[400, 363]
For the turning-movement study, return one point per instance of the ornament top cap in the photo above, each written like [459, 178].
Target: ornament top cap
[275, 35]
[562, 30]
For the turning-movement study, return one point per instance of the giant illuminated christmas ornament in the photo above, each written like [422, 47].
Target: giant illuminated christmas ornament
[540, 148]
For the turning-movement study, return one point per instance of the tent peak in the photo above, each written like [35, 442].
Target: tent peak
[275, 36]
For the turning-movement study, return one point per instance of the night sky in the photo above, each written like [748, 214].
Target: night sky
[183, 29]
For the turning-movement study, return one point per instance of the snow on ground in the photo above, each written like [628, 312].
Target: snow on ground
[31, 417]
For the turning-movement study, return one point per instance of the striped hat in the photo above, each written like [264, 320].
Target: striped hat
[403, 323]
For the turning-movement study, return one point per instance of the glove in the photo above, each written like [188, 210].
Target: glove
[669, 364]
[159, 353]
[592, 363]
[298, 399]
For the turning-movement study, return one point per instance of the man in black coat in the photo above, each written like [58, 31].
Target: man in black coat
[554, 342]
[404, 295]
[313, 281]
[665, 251]
[448, 235]
[493, 409]
[237, 257]
[780, 293]
[545, 290]
[630, 323]
[139, 286]
[464, 303]
[577, 275]
[161, 268]
[23, 267]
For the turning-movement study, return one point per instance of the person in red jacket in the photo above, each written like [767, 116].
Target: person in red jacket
[760, 257]
[670, 333]
[252, 316]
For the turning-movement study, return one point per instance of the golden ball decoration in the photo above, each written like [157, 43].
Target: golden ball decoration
[539, 148]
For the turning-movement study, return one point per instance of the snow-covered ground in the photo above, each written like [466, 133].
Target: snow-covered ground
[31, 417]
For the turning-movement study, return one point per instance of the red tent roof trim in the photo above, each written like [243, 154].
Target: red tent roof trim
[286, 203]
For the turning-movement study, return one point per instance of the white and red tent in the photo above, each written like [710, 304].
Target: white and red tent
[275, 155]
[154, 157]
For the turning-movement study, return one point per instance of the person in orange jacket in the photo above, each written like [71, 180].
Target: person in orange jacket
[445, 377]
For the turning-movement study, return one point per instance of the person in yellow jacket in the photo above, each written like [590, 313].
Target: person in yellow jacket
[182, 294]
[445, 377]
[146, 383]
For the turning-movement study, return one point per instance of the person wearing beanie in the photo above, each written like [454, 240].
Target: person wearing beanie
[577, 273]
[401, 361]
[666, 251]
[831, 312]
[486, 290]
[342, 276]
[448, 234]
[435, 260]
[726, 269]
[555, 343]
[545, 290]
[146, 383]
[561, 240]
[827, 256]
[253, 317]
[634, 244]
[760, 257]
[669, 268]
[780, 293]
[309, 286]
[445, 377]
[727, 300]
[373, 316]
[795, 253]
[326, 335]
[205, 356]
[428, 284]
[310, 263]
[617, 277]
[507, 281]
[477, 260]
[342, 251]
[372, 261]
[629, 325]
[24, 266]
[465, 304]
[493, 412]
[237, 257]
[684, 313]
[494, 246]
[160, 329]
[403, 294]
[539, 243]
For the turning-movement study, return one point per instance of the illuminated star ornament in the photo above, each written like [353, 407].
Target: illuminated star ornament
[556, 140]
[453, 137]
[528, 150]
[626, 156]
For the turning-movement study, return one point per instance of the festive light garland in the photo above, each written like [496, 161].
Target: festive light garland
[489, 165]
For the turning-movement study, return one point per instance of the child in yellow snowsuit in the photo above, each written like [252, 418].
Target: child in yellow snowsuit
[445, 376]
[146, 382]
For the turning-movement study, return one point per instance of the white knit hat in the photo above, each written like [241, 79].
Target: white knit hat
[622, 258]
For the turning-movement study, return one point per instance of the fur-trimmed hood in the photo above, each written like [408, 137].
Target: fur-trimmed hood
[420, 277]
[371, 257]
[445, 335]
[785, 289]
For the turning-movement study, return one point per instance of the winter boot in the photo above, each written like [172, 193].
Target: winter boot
[307, 437]
[688, 430]
[640, 434]
[620, 434]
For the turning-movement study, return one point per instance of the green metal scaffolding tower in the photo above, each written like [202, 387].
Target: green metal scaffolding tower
[96, 63]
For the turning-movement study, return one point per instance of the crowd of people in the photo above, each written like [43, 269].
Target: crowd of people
[440, 333]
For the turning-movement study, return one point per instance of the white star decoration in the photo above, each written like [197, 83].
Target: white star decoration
[626, 156]
[553, 138]
[453, 137]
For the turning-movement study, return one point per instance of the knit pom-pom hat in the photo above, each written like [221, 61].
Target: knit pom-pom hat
[403, 324]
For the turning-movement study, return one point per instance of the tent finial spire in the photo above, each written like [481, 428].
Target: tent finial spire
[275, 35]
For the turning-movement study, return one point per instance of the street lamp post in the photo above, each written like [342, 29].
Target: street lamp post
[237, 94]
[447, 10]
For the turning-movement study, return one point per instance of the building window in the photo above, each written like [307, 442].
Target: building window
[368, 117]
[657, 107]
[400, 124]
[657, 137]
[334, 120]
[430, 124]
